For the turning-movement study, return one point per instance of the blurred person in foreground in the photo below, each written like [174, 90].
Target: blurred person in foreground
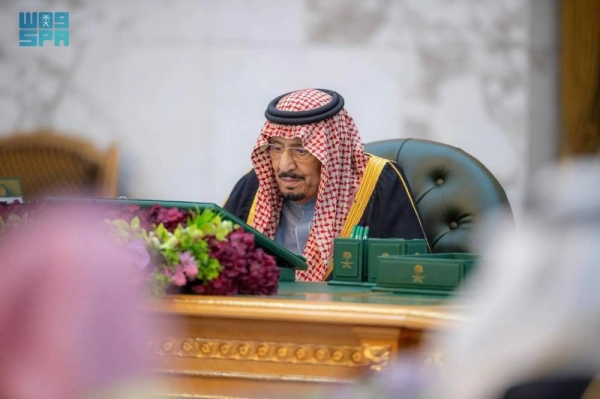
[533, 325]
[311, 177]
[531, 310]
[70, 321]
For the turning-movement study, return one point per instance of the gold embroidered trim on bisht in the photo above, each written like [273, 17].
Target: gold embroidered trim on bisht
[250, 220]
[412, 204]
[365, 191]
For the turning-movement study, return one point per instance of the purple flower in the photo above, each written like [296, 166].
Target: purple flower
[178, 278]
[246, 270]
[138, 254]
[190, 268]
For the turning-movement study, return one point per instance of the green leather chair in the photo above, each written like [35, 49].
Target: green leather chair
[451, 189]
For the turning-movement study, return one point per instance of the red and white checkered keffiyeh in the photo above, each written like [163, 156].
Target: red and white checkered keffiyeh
[337, 144]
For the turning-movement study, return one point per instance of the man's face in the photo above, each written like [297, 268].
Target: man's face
[297, 171]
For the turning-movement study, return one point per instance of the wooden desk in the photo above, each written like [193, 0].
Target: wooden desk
[309, 335]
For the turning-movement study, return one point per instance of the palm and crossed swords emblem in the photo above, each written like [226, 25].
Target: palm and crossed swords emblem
[45, 20]
[346, 264]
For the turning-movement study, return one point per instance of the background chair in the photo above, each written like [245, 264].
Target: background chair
[451, 189]
[48, 163]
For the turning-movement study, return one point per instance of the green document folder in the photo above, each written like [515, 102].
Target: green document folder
[283, 256]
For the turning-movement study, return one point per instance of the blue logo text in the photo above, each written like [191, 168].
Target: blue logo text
[37, 28]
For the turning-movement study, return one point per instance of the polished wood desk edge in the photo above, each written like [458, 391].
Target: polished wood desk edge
[253, 376]
[256, 308]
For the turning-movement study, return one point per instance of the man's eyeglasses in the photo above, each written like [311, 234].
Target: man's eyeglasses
[297, 153]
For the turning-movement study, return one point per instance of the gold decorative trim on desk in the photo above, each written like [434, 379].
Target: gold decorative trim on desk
[307, 337]
[261, 351]
[305, 311]
[377, 356]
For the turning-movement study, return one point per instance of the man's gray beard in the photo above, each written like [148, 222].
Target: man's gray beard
[293, 197]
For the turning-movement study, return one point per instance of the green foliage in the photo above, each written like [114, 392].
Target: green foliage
[192, 238]
[126, 232]
[158, 284]
[167, 246]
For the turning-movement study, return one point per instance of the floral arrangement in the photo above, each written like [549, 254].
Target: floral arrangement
[15, 214]
[175, 251]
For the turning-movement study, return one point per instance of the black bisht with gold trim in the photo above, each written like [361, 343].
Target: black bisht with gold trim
[389, 211]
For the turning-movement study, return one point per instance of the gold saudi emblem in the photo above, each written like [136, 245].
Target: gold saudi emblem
[346, 264]
[417, 277]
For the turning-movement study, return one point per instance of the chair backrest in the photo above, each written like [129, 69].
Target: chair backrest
[48, 163]
[451, 189]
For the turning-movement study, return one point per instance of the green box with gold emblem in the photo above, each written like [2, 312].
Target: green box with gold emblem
[383, 247]
[432, 274]
[348, 262]
[355, 261]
